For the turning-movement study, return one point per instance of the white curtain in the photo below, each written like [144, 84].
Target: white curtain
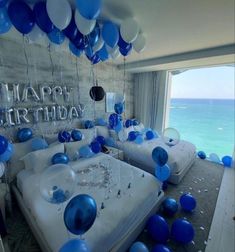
[150, 98]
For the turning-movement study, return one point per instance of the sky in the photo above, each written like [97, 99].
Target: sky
[213, 82]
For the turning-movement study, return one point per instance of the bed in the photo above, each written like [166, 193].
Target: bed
[117, 225]
[181, 156]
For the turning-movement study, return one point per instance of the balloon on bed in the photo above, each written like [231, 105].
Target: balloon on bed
[171, 136]
[6, 149]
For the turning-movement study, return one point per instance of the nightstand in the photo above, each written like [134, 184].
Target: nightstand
[116, 153]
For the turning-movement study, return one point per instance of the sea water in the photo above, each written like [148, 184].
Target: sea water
[207, 123]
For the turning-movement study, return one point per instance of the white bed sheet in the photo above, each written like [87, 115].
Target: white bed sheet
[179, 155]
[118, 217]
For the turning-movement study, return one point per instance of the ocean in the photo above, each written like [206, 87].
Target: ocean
[207, 123]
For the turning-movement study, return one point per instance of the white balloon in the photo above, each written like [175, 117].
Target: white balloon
[129, 30]
[99, 44]
[59, 12]
[2, 169]
[36, 34]
[115, 55]
[85, 26]
[139, 43]
[122, 135]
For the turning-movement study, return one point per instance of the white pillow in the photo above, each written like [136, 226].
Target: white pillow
[72, 148]
[41, 159]
[51, 138]
[103, 131]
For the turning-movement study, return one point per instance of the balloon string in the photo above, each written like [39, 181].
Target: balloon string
[26, 59]
[124, 85]
[51, 60]
[78, 87]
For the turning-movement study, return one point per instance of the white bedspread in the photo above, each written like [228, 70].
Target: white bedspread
[179, 156]
[120, 215]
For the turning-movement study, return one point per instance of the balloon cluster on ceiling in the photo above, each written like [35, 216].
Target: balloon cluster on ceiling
[99, 40]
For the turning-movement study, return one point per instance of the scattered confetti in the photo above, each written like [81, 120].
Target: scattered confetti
[205, 190]
[195, 182]
[190, 188]
[205, 242]
[202, 228]
[199, 191]
[201, 212]
[217, 188]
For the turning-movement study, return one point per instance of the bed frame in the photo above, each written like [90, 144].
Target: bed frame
[120, 246]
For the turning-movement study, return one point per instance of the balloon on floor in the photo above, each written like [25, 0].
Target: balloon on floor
[188, 202]
[169, 206]
[138, 247]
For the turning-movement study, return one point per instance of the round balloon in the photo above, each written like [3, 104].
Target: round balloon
[76, 135]
[138, 247]
[4, 157]
[126, 51]
[85, 152]
[160, 248]
[214, 158]
[39, 143]
[101, 122]
[132, 135]
[64, 136]
[95, 147]
[149, 135]
[158, 228]
[201, 154]
[139, 139]
[89, 124]
[94, 35]
[98, 45]
[97, 93]
[56, 36]
[110, 33]
[101, 140]
[89, 9]
[128, 123]
[129, 30]
[163, 172]
[24, 134]
[169, 206]
[182, 231]
[71, 31]
[74, 49]
[57, 183]
[122, 135]
[113, 120]
[75, 245]
[59, 14]
[3, 144]
[227, 161]
[85, 26]
[135, 122]
[122, 43]
[188, 202]
[5, 22]
[80, 214]
[139, 43]
[119, 108]
[21, 16]
[60, 158]
[118, 127]
[41, 17]
[171, 136]
[160, 156]
[103, 53]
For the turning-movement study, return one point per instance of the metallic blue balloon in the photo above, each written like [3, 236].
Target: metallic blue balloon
[119, 108]
[56, 36]
[170, 206]
[21, 16]
[95, 59]
[182, 231]
[89, 9]
[119, 126]
[149, 135]
[3, 3]
[3, 144]
[201, 154]
[128, 123]
[7, 154]
[71, 31]
[85, 152]
[160, 156]
[110, 33]
[121, 43]
[138, 247]
[94, 35]
[39, 144]
[75, 245]
[162, 172]
[103, 53]
[41, 17]
[76, 135]
[81, 42]
[24, 134]
[132, 135]
[95, 147]
[188, 202]
[126, 51]
[64, 136]
[160, 248]
[80, 214]
[60, 158]
[227, 161]
[5, 22]
[113, 120]
[89, 124]
[101, 140]
[135, 122]
[74, 49]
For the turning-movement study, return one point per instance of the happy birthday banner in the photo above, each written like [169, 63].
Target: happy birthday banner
[22, 106]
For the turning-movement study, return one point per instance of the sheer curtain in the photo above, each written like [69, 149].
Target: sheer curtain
[150, 98]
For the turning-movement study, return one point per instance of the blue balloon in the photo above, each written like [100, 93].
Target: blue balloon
[85, 152]
[24, 134]
[41, 17]
[81, 42]
[3, 144]
[135, 122]
[162, 172]
[138, 247]
[110, 33]
[158, 228]
[60, 158]
[7, 154]
[149, 135]
[3, 3]
[110, 142]
[201, 154]
[188, 202]
[155, 134]
[182, 231]
[103, 53]
[75, 245]
[170, 206]
[71, 31]
[160, 156]
[118, 127]
[76, 135]
[122, 43]
[113, 120]
[128, 123]
[95, 59]
[89, 124]
[80, 214]
[89, 52]
[95, 147]
[101, 122]
[74, 49]
[64, 136]
[39, 144]
[164, 185]
[160, 248]
[227, 161]
[94, 35]
[119, 108]
[21, 16]
[101, 140]
[126, 51]
[56, 36]
[89, 9]
[139, 139]
[5, 22]
[132, 135]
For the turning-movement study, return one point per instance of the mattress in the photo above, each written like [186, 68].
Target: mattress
[121, 213]
[179, 155]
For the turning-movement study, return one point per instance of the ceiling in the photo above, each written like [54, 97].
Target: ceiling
[175, 26]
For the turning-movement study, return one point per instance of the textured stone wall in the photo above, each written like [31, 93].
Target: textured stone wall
[41, 62]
